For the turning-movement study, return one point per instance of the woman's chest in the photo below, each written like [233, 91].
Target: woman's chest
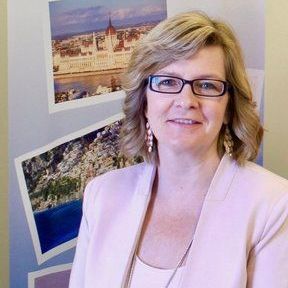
[165, 237]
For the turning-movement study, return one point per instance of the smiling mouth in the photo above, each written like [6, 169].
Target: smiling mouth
[185, 121]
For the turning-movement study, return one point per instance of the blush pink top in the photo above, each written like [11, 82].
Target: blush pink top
[144, 276]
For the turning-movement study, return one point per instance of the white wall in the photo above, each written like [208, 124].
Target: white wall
[245, 16]
[276, 92]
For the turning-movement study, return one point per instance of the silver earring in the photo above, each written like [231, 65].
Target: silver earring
[228, 142]
[149, 137]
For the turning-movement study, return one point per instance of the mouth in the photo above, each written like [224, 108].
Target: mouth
[183, 121]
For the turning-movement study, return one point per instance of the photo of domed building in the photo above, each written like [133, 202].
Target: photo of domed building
[91, 46]
[99, 51]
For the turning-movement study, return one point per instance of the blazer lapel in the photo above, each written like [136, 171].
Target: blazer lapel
[123, 236]
[216, 194]
[222, 179]
[136, 219]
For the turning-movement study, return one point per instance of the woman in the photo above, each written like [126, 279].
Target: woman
[196, 213]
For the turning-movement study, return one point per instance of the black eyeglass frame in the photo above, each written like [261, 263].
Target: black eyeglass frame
[226, 84]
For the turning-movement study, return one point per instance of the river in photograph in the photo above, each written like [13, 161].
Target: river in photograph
[87, 83]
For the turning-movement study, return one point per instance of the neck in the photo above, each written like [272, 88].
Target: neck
[185, 175]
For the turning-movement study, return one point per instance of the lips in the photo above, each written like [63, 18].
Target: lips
[184, 121]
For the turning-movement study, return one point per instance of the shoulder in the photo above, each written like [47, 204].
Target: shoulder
[269, 194]
[258, 199]
[260, 186]
[119, 177]
[118, 185]
[259, 177]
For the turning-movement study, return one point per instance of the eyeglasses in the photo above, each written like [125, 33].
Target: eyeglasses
[174, 85]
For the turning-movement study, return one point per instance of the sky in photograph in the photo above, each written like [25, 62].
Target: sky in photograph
[76, 16]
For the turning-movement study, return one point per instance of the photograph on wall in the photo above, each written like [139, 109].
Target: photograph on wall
[52, 180]
[55, 276]
[89, 44]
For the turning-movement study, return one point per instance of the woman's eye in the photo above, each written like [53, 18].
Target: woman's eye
[168, 82]
[207, 86]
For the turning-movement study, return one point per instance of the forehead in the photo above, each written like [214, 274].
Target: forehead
[207, 62]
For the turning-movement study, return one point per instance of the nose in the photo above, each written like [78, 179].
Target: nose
[186, 98]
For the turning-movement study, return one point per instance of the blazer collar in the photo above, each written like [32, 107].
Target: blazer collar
[218, 188]
[222, 179]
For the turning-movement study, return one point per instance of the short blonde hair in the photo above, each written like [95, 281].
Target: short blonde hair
[180, 37]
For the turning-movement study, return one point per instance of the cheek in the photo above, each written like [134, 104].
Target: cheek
[156, 107]
[215, 114]
[152, 115]
[220, 110]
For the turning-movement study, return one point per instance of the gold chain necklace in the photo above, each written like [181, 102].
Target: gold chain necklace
[172, 275]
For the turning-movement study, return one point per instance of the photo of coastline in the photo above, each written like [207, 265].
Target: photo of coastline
[91, 43]
[53, 178]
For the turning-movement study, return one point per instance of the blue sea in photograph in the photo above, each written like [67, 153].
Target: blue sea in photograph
[59, 224]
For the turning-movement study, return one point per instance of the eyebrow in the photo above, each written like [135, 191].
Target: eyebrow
[204, 76]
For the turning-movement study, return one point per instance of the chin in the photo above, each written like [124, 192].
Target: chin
[182, 146]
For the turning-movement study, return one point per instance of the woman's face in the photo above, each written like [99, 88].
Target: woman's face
[187, 122]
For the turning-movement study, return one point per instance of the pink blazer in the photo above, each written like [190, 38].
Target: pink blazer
[241, 238]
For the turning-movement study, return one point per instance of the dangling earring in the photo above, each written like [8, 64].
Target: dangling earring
[149, 137]
[228, 142]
